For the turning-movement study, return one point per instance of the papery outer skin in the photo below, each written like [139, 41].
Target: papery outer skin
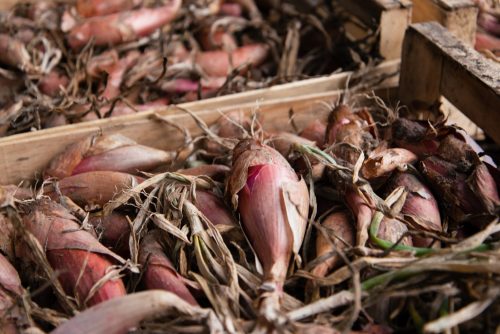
[214, 208]
[159, 273]
[420, 203]
[413, 136]
[391, 230]
[264, 222]
[69, 252]
[342, 227]
[8, 314]
[95, 188]
[384, 162]
[457, 151]
[345, 126]
[273, 204]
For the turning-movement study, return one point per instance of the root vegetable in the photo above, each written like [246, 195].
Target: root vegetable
[273, 203]
[420, 206]
[383, 162]
[94, 188]
[219, 63]
[339, 223]
[113, 231]
[159, 273]
[122, 27]
[88, 8]
[78, 257]
[106, 153]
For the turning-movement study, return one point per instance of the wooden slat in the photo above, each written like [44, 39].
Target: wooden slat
[458, 16]
[7, 4]
[26, 157]
[435, 63]
[390, 16]
[303, 87]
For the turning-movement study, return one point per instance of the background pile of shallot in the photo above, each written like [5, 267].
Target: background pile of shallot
[64, 62]
[366, 220]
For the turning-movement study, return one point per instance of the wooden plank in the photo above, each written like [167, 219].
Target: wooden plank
[304, 87]
[458, 16]
[26, 157]
[461, 75]
[390, 16]
[7, 4]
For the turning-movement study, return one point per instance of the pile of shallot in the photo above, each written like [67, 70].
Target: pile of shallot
[361, 221]
[66, 62]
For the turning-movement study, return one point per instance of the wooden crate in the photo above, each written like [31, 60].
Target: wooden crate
[434, 63]
[458, 16]
[24, 155]
[392, 17]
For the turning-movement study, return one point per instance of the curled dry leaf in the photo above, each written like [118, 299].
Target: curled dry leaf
[219, 63]
[383, 162]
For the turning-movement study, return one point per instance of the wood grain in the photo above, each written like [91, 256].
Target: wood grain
[435, 63]
[458, 16]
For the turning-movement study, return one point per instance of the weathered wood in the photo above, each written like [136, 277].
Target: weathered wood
[26, 157]
[458, 16]
[390, 16]
[304, 87]
[451, 69]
